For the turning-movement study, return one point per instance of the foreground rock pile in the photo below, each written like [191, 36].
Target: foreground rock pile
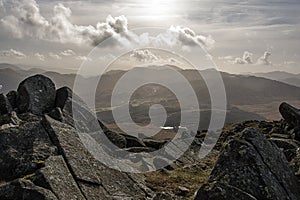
[43, 157]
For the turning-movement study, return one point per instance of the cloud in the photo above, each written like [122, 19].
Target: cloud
[188, 37]
[246, 59]
[108, 56]
[289, 63]
[264, 60]
[226, 58]
[68, 52]
[12, 53]
[26, 20]
[144, 55]
[83, 58]
[54, 56]
[39, 56]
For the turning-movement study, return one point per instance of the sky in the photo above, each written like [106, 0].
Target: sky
[238, 36]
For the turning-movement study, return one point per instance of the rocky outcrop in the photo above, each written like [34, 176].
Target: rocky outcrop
[251, 167]
[42, 154]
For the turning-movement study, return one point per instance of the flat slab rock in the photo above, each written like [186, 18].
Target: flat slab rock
[56, 177]
[22, 148]
[94, 179]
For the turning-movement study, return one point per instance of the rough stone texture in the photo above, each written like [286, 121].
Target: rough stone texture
[290, 113]
[24, 190]
[288, 146]
[93, 177]
[11, 119]
[57, 114]
[69, 145]
[22, 148]
[5, 107]
[36, 94]
[83, 119]
[156, 144]
[251, 166]
[12, 98]
[132, 141]
[56, 177]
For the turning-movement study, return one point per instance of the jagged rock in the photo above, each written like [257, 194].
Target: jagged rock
[12, 98]
[156, 144]
[295, 163]
[57, 114]
[132, 141]
[5, 107]
[64, 98]
[116, 138]
[11, 119]
[36, 94]
[22, 148]
[289, 147]
[29, 117]
[94, 178]
[69, 145]
[56, 177]
[83, 119]
[25, 190]
[251, 167]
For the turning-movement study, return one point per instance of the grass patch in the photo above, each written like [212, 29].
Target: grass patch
[189, 177]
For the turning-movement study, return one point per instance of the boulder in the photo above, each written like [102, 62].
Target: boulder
[290, 113]
[36, 94]
[5, 107]
[22, 149]
[251, 167]
[25, 190]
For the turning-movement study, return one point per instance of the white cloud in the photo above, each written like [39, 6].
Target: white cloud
[54, 56]
[26, 20]
[144, 55]
[39, 56]
[226, 58]
[106, 57]
[246, 59]
[68, 52]
[12, 53]
[188, 37]
[264, 60]
[289, 63]
[83, 58]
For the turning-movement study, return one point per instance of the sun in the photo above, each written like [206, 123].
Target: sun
[157, 7]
